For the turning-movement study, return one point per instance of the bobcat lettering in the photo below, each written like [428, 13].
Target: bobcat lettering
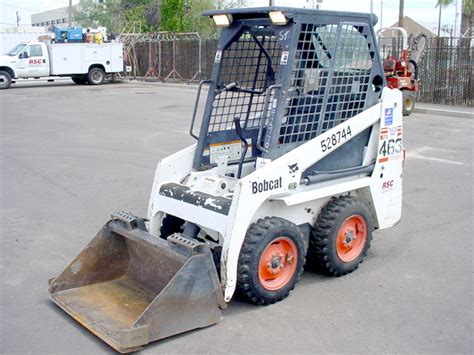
[266, 185]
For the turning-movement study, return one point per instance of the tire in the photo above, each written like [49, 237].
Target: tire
[408, 103]
[341, 237]
[262, 277]
[5, 80]
[79, 80]
[96, 76]
[170, 225]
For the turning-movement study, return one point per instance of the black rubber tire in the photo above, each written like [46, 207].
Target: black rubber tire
[79, 80]
[7, 80]
[96, 76]
[322, 252]
[258, 237]
[170, 225]
[408, 103]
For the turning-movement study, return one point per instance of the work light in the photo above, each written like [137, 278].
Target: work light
[278, 18]
[222, 20]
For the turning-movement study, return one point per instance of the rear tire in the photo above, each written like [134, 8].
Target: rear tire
[96, 76]
[271, 260]
[5, 80]
[79, 80]
[341, 236]
[408, 103]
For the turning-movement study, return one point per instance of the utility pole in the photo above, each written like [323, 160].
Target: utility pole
[17, 19]
[69, 19]
[381, 13]
[439, 20]
[371, 6]
[401, 5]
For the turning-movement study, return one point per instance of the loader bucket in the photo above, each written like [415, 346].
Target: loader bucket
[130, 288]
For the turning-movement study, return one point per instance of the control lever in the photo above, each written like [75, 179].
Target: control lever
[238, 130]
[227, 87]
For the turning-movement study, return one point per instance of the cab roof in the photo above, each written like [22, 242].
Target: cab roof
[290, 12]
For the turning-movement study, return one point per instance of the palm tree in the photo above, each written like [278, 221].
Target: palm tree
[466, 17]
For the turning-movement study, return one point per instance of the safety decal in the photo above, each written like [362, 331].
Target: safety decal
[218, 57]
[284, 58]
[388, 116]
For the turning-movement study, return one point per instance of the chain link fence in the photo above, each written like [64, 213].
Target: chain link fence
[446, 67]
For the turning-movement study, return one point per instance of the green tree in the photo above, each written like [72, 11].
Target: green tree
[91, 14]
[185, 16]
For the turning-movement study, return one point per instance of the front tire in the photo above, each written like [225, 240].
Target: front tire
[5, 80]
[408, 103]
[341, 236]
[271, 260]
[96, 76]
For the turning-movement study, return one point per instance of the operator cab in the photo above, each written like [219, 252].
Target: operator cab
[283, 76]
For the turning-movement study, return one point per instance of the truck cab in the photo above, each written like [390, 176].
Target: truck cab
[26, 60]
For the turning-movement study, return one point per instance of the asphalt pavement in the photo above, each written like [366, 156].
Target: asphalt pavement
[70, 155]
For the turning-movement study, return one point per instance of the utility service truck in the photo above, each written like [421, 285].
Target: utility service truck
[83, 62]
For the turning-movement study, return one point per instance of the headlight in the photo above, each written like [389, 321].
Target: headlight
[222, 20]
[278, 18]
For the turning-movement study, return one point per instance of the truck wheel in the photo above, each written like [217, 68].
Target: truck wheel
[96, 76]
[408, 103]
[5, 80]
[170, 225]
[271, 260]
[80, 80]
[341, 236]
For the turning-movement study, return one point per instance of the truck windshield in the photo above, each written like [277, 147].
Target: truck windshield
[17, 49]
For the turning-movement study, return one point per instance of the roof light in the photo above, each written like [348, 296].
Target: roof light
[222, 20]
[278, 18]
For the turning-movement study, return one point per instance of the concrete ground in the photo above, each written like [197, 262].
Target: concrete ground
[72, 154]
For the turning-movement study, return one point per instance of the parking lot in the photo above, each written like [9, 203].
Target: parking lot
[72, 154]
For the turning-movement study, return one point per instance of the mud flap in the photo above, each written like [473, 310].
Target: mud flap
[130, 288]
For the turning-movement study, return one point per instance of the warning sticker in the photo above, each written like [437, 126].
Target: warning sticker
[388, 116]
[218, 57]
[232, 150]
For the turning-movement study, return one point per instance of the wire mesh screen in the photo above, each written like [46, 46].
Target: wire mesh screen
[329, 82]
[252, 64]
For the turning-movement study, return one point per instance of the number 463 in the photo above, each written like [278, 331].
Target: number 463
[391, 147]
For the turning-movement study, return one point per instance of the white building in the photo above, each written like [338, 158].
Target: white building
[52, 17]
[10, 36]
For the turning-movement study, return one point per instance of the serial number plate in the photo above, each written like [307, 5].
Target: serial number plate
[336, 138]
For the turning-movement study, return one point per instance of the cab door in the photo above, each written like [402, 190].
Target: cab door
[32, 62]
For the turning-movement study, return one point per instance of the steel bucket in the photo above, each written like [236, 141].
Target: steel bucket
[130, 288]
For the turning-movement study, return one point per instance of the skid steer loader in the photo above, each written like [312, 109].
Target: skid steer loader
[297, 160]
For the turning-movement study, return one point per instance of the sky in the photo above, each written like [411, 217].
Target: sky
[423, 11]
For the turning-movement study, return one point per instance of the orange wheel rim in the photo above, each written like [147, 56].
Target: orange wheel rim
[278, 263]
[351, 238]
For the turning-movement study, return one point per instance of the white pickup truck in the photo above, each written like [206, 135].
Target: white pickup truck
[83, 62]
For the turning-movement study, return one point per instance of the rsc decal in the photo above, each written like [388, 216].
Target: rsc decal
[35, 61]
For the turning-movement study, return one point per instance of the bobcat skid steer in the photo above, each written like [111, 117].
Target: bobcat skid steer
[297, 160]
